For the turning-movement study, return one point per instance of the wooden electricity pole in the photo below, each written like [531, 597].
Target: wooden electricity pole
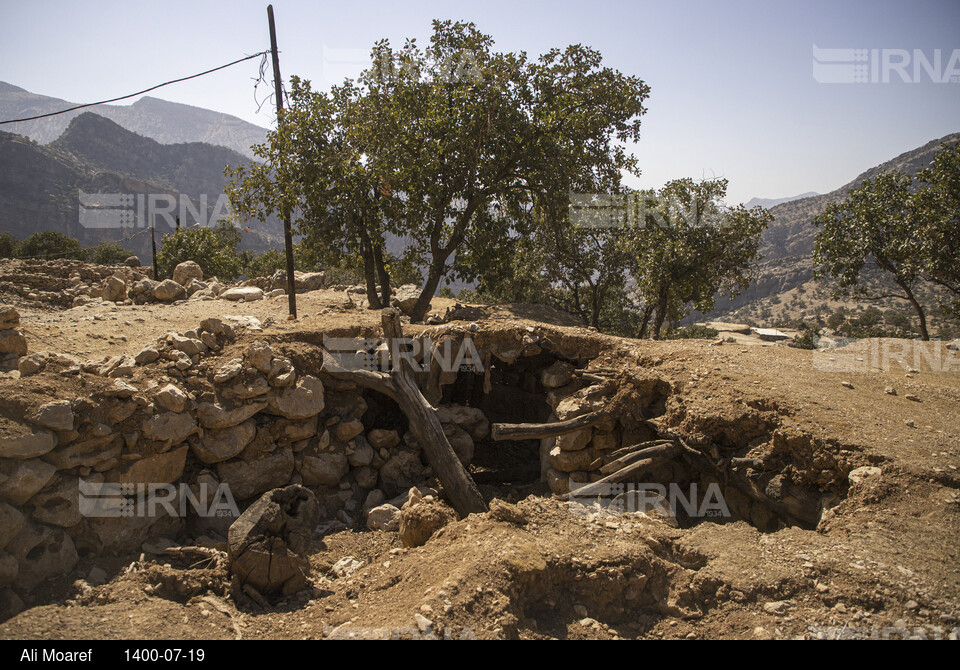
[287, 236]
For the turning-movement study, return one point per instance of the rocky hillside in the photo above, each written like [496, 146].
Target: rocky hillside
[166, 122]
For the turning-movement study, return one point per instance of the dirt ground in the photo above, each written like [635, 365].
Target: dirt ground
[883, 562]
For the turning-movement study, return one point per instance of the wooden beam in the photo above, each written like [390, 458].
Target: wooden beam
[534, 431]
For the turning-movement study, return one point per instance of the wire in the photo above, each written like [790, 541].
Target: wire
[146, 90]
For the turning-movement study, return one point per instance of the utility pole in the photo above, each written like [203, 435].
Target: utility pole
[287, 236]
[153, 243]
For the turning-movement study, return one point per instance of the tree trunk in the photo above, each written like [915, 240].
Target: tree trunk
[924, 334]
[369, 269]
[661, 314]
[426, 295]
[385, 292]
[645, 322]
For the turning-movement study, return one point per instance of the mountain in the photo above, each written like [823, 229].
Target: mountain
[787, 244]
[160, 120]
[40, 186]
[767, 203]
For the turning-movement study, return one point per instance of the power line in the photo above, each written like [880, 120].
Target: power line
[146, 90]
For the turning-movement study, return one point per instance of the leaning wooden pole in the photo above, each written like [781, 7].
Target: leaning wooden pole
[400, 385]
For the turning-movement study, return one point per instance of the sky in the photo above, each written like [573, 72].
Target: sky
[734, 88]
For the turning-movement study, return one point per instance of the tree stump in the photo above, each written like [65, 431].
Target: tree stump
[268, 544]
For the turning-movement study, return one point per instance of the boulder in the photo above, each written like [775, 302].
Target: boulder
[24, 479]
[471, 419]
[32, 364]
[9, 317]
[242, 294]
[165, 468]
[298, 402]
[571, 461]
[27, 446]
[221, 445]
[384, 518]
[11, 521]
[58, 504]
[13, 342]
[260, 355]
[405, 298]
[187, 271]
[380, 438]
[147, 355]
[575, 441]
[402, 471]
[188, 345]
[557, 375]
[143, 291]
[247, 479]
[170, 398]
[216, 417]
[169, 291]
[269, 544]
[324, 470]
[169, 427]
[228, 371]
[42, 553]
[347, 430]
[132, 262]
[97, 452]
[113, 289]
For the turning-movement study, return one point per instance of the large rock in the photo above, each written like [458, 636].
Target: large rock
[171, 398]
[58, 504]
[402, 471]
[27, 446]
[216, 417]
[113, 289]
[269, 544]
[381, 438]
[187, 271]
[222, 445]
[471, 419]
[384, 517]
[99, 453]
[132, 262]
[248, 479]
[43, 553]
[143, 291]
[55, 415]
[571, 461]
[575, 441]
[24, 479]
[324, 470]
[557, 375]
[13, 342]
[420, 518]
[169, 290]
[188, 345]
[165, 468]
[9, 317]
[298, 402]
[169, 427]
[405, 298]
[11, 521]
[9, 568]
[242, 294]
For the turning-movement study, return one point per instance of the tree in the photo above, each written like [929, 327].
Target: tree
[109, 253]
[875, 227]
[215, 250]
[688, 248]
[8, 245]
[937, 203]
[50, 244]
[265, 264]
[448, 146]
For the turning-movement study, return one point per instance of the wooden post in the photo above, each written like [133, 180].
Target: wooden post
[153, 243]
[401, 386]
[287, 235]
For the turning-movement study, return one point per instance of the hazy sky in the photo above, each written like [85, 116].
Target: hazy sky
[733, 91]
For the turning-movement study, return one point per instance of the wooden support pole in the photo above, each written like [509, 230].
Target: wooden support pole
[287, 235]
[534, 431]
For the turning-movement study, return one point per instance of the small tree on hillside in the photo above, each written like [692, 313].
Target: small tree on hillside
[50, 244]
[875, 227]
[215, 250]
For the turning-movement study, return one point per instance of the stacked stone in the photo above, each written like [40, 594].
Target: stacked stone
[13, 344]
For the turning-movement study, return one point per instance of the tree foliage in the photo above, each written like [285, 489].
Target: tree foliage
[51, 244]
[109, 253]
[216, 250]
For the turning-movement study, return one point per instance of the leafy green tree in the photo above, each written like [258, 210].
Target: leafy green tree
[50, 244]
[215, 250]
[109, 253]
[689, 248]
[451, 146]
[9, 245]
[937, 202]
[265, 264]
[875, 227]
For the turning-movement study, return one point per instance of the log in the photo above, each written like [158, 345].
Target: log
[400, 385]
[652, 450]
[597, 488]
[634, 448]
[536, 431]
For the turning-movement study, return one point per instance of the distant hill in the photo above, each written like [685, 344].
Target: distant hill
[40, 185]
[767, 203]
[160, 120]
[787, 246]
